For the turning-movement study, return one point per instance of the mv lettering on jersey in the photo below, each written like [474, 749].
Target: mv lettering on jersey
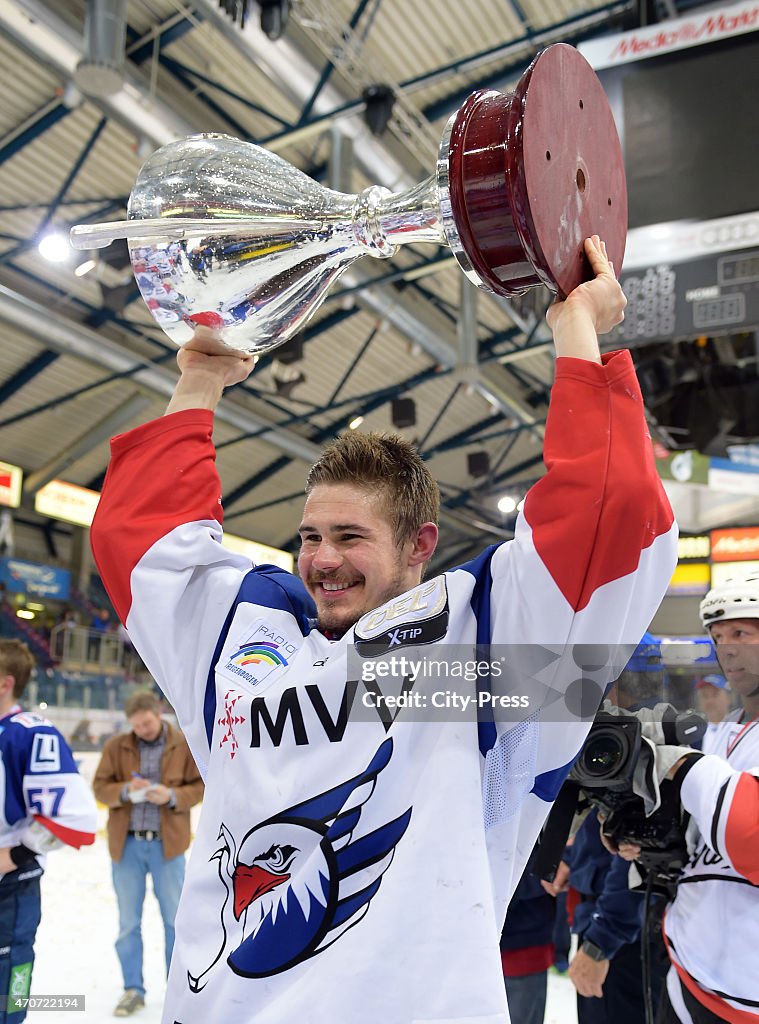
[287, 723]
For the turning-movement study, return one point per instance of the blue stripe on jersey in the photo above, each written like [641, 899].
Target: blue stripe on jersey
[548, 784]
[271, 587]
[480, 568]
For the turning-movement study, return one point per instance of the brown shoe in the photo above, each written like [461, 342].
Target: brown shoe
[130, 1002]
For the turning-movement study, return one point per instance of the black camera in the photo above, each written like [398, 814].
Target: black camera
[609, 754]
[614, 765]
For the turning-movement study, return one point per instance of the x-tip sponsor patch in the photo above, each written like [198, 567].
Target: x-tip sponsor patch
[418, 617]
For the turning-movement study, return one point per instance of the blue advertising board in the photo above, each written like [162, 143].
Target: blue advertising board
[31, 578]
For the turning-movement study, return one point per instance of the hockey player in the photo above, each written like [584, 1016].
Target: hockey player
[713, 924]
[352, 864]
[45, 804]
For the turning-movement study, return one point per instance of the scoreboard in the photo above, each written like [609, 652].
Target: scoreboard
[714, 294]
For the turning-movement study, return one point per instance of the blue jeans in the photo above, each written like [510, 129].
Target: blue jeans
[140, 859]
[19, 918]
[526, 997]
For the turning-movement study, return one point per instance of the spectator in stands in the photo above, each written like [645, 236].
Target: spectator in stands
[101, 623]
[149, 782]
[714, 701]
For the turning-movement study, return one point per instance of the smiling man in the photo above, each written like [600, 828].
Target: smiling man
[361, 539]
[352, 865]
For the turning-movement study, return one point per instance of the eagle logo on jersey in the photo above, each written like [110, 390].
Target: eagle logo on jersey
[299, 880]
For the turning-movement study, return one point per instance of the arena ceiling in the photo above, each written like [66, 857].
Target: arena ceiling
[81, 359]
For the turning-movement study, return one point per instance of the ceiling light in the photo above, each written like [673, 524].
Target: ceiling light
[478, 464]
[24, 613]
[356, 422]
[403, 412]
[507, 504]
[85, 268]
[379, 101]
[54, 248]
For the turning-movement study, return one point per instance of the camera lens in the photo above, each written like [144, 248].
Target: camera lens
[602, 754]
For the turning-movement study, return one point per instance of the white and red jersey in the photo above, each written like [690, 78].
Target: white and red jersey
[712, 927]
[358, 866]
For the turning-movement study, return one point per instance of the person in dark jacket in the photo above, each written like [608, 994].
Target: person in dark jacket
[606, 970]
[527, 949]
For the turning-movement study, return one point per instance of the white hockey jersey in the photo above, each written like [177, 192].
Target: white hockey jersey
[358, 867]
[39, 782]
[712, 927]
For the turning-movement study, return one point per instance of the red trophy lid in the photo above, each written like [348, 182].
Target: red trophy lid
[533, 173]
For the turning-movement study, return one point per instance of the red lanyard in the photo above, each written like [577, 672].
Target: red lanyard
[746, 726]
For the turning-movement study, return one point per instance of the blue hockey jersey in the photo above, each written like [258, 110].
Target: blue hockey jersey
[39, 783]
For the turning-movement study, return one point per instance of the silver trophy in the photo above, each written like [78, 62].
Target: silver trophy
[228, 236]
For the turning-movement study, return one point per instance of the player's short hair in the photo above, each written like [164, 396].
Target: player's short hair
[142, 700]
[386, 463]
[18, 661]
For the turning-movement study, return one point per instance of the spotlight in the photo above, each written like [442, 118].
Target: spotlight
[292, 350]
[85, 267]
[478, 464]
[379, 101]
[274, 16]
[355, 423]
[54, 248]
[507, 504]
[285, 378]
[403, 412]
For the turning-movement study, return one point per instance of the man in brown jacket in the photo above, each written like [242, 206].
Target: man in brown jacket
[149, 782]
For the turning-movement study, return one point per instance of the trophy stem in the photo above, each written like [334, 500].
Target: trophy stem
[411, 216]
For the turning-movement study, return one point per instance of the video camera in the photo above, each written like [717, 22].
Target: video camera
[613, 770]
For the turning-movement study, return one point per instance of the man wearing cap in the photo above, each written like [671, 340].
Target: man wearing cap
[714, 702]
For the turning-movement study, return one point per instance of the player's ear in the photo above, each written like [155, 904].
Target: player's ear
[423, 545]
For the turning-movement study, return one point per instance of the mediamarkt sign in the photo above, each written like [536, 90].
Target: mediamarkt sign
[738, 545]
[676, 34]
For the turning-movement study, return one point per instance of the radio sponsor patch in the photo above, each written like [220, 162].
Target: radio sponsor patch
[256, 656]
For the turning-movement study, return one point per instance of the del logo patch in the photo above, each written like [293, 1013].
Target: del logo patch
[256, 656]
[420, 616]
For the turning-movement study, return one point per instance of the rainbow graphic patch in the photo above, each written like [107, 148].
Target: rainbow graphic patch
[258, 654]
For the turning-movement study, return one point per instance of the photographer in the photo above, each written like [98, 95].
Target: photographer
[606, 969]
[712, 926]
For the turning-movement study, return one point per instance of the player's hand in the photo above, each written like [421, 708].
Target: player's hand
[6, 864]
[588, 975]
[602, 299]
[158, 794]
[629, 851]
[226, 368]
[560, 881]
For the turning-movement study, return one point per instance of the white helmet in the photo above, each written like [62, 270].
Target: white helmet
[736, 598]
